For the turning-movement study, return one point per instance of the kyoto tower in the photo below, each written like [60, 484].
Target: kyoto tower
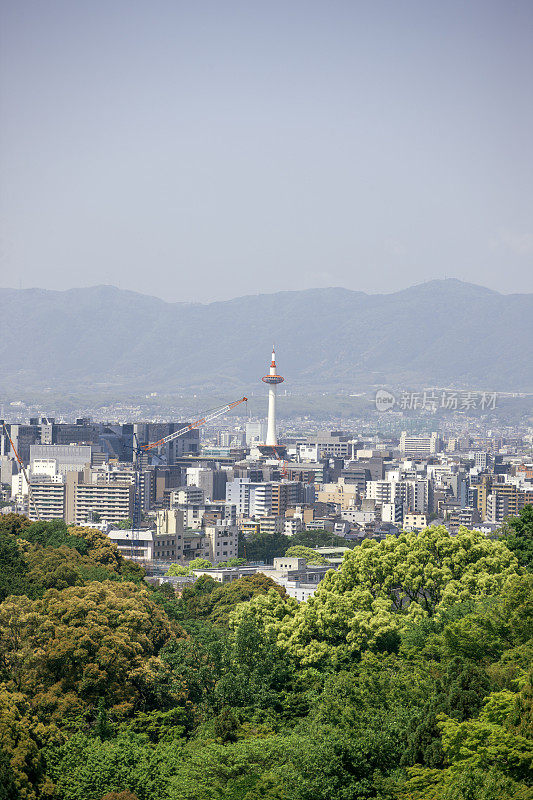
[272, 379]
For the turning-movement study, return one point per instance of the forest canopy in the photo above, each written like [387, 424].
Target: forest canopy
[407, 676]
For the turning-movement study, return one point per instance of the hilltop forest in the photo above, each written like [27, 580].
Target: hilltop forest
[408, 675]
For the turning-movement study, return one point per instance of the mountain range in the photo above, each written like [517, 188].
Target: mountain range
[439, 333]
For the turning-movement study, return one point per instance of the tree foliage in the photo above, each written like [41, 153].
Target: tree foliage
[72, 647]
[518, 536]
[406, 677]
[310, 556]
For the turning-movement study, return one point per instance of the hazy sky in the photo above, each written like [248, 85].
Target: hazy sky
[205, 150]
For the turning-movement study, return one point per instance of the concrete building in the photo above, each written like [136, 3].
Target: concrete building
[188, 444]
[250, 499]
[223, 540]
[393, 512]
[113, 502]
[187, 495]
[272, 524]
[293, 525]
[249, 527]
[497, 507]
[196, 515]
[341, 494]
[482, 461]
[419, 445]
[414, 522]
[255, 432]
[168, 540]
[137, 545]
[285, 494]
[211, 481]
[413, 493]
[48, 499]
[469, 517]
[67, 457]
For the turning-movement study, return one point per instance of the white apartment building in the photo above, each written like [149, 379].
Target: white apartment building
[48, 497]
[413, 493]
[393, 512]
[497, 508]
[359, 517]
[293, 525]
[381, 491]
[255, 432]
[419, 445]
[137, 545]
[250, 499]
[187, 495]
[112, 501]
[261, 500]
[271, 524]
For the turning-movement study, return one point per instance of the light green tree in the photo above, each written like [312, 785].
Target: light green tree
[200, 563]
[382, 586]
[178, 569]
[308, 553]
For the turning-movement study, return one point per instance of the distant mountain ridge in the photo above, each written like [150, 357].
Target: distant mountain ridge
[443, 332]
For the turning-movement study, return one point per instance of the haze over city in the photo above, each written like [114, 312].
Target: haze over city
[201, 151]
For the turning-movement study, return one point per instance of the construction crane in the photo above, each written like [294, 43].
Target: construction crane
[140, 449]
[23, 468]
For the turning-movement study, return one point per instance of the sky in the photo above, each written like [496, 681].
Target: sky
[202, 150]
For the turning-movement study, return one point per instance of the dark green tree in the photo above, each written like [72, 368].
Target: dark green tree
[13, 568]
[53, 534]
[518, 536]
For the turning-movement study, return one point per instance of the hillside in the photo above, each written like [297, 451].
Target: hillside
[437, 333]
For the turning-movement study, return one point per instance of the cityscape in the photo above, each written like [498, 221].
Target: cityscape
[169, 493]
[266, 400]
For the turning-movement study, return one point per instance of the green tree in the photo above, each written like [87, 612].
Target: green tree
[380, 587]
[318, 539]
[13, 524]
[256, 669]
[53, 534]
[21, 745]
[178, 569]
[87, 767]
[217, 605]
[71, 647]
[263, 546]
[231, 562]
[124, 525]
[200, 563]
[13, 568]
[518, 536]
[310, 555]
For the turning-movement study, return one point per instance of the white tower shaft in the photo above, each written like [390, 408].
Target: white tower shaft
[272, 379]
[271, 438]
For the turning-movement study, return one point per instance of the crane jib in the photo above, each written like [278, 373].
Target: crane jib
[193, 425]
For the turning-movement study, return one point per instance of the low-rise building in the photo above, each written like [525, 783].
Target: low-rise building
[414, 522]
